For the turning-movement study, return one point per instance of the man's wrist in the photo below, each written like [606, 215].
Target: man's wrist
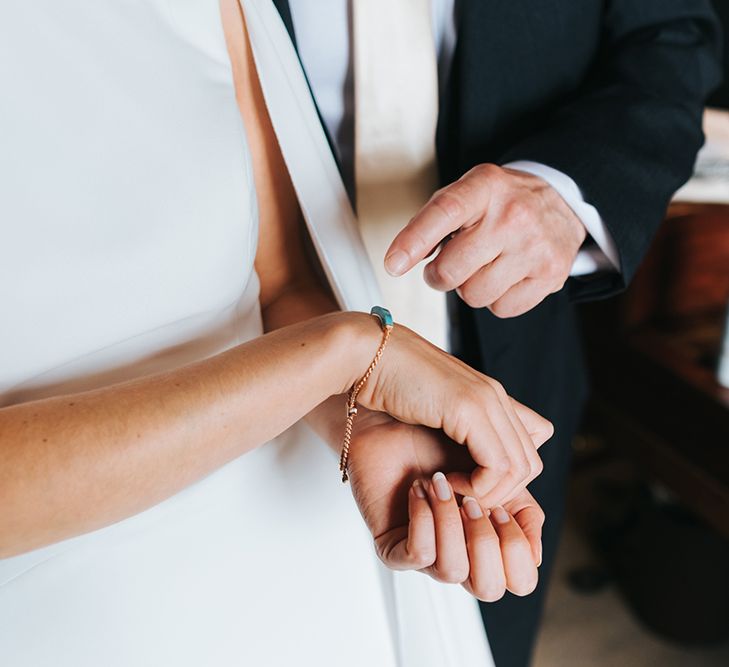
[605, 256]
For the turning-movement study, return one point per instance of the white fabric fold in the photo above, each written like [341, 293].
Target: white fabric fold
[431, 624]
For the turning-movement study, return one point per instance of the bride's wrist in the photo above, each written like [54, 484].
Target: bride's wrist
[360, 335]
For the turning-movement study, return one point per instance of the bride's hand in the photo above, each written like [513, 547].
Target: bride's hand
[414, 527]
[418, 383]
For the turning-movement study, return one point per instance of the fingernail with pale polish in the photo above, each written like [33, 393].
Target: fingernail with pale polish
[396, 262]
[440, 484]
[472, 508]
[541, 553]
[500, 515]
[418, 489]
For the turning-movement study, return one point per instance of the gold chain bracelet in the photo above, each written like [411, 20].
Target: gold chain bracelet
[387, 324]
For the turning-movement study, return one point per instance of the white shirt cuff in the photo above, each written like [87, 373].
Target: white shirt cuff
[603, 255]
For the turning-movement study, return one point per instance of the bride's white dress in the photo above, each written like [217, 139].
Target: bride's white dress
[128, 230]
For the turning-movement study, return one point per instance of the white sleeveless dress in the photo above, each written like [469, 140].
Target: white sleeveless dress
[128, 230]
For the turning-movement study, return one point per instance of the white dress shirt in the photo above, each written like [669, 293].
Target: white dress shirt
[323, 30]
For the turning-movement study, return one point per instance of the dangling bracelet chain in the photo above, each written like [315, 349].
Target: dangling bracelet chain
[386, 323]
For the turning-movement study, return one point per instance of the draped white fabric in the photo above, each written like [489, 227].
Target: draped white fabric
[129, 232]
[436, 624]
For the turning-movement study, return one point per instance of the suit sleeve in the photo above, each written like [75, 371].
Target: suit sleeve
[629, 136]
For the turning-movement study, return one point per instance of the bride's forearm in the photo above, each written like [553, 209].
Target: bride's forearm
[74, 463]
[295, 305]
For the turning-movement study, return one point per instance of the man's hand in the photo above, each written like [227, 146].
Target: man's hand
[513, 240]
[414, 526]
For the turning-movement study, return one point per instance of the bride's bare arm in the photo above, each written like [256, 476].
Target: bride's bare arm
[74, 463]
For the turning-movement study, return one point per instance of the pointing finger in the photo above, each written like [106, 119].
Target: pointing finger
[449, 209]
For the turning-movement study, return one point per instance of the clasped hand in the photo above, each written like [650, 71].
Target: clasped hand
[412, 510]
[435, 430]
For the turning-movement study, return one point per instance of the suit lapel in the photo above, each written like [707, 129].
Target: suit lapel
[285, 11]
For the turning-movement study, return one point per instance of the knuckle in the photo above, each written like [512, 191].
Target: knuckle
[473, 296]
[522, 470]
[420, 558]
[502, 310]
[558, 284]
[449, 203]
[440, 274]
[518, 210]
[484, 170]
[452, 574]
[551, 262]
[382, 553]
[489, 394]
[537, 466]
[418, 242]
[472, 398]
[438, 192]
[469, 409]
[502, 465]
[498, 388]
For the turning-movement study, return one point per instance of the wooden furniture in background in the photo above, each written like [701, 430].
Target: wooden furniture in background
[652, 355]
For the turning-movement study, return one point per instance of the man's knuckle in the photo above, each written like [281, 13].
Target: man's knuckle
[450, 204]
[501, 310]
[473, 296]
[440, 274]
[417, 239]
[543, 257]
[485, 171]
[519, 210]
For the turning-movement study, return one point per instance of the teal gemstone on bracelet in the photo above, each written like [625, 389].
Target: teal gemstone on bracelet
[384, 315]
